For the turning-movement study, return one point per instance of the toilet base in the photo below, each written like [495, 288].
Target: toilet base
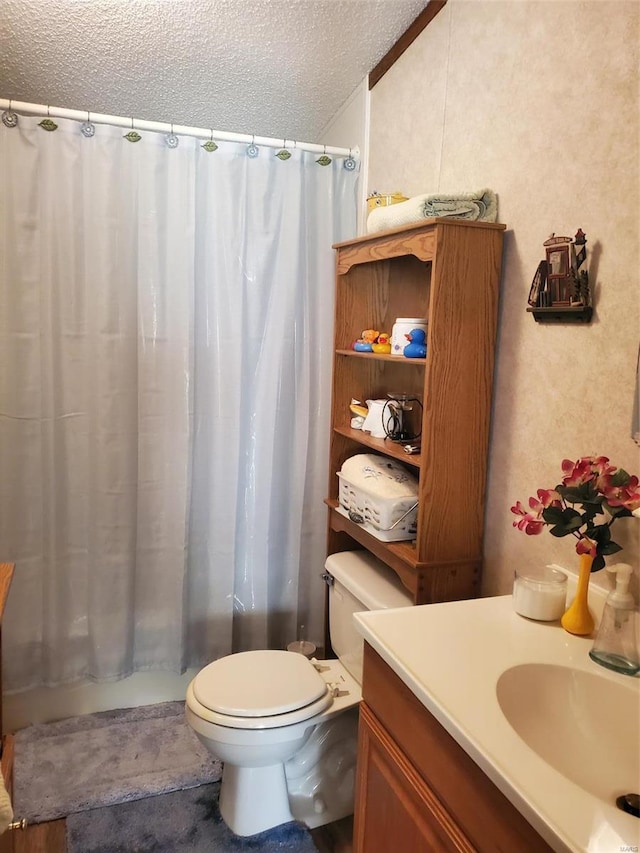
[264, 802]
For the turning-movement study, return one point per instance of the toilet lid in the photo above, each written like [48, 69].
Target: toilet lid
[258, 684]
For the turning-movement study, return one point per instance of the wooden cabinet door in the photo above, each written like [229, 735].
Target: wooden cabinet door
[7, 843]
[395, 808]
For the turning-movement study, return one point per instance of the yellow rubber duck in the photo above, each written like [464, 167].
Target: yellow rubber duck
[382, 343]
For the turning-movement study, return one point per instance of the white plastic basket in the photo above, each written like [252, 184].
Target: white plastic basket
[389, 519]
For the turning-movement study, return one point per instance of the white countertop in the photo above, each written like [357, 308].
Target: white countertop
[451, 657]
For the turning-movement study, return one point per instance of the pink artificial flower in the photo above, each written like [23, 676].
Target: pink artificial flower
[600, 465]
[627, 496]
[585, 545]
[530, 523]
[546, 497]
[577, 473]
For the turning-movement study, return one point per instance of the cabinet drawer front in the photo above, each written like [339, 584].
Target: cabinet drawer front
[397, 810]
[481, 811]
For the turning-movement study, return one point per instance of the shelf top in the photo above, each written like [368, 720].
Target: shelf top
[426, 224]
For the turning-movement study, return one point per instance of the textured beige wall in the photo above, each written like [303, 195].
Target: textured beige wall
[539, 102]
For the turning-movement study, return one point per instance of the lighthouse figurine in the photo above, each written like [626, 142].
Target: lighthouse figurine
[417, 347]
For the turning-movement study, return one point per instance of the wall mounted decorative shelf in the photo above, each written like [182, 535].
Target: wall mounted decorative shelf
[562, 314]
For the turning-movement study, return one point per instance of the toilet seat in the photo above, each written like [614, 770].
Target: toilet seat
[259, 689]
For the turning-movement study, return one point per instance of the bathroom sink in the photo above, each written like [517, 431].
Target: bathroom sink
[583, 724]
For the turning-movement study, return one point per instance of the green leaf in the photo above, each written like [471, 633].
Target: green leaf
[600, 534]
[553, 515]
[620, 478]
[133, 136]
[617, 511]
[283, 154]
[210, 146]
[48, 124]
[583, 494]
[610, 548]
[598, 563]
[568, 517]
[324, 160]
[559, 531]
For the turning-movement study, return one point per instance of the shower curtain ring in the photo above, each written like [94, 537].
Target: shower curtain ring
[324, 160]
[9, 118]
[133, 135]
[349, 163]
[87, 128]
[252, 148]
[171, 139]
[48, 123]
[210, 145]
[283, 154]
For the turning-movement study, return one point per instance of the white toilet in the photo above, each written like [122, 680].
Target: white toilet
[285, 727]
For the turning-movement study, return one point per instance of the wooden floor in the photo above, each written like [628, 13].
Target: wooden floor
[334, 837]
[41, 838]
[50, 837]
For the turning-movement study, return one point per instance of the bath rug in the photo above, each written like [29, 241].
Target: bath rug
[105, 758]
[182, 822]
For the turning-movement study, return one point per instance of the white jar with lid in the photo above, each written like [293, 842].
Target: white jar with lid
[402, 327]
[540, 593]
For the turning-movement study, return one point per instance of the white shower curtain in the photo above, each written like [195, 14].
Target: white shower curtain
[165, 358]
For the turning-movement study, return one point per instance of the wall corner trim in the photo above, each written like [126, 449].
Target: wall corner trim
[410, 35]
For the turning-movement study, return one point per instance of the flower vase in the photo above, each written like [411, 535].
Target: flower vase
[578, 619]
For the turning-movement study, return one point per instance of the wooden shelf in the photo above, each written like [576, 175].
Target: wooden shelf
[380, 445]
[562, 314]
[379, 356]
[447, 271]
[400, 556]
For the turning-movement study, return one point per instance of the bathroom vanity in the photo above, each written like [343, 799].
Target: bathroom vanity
[483, 731]
[418, 790]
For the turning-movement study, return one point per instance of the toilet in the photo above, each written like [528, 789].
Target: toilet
[285, 727]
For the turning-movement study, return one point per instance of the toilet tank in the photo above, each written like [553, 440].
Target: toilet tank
[360, 582]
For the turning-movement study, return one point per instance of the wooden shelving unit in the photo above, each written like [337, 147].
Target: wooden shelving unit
[449, 272]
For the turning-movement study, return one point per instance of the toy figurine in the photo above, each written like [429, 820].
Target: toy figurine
[382, 344]
[364, 343]
[417, 347]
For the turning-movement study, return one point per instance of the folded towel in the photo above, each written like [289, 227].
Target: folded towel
[475, 206]
[481, 205]
[396, 215]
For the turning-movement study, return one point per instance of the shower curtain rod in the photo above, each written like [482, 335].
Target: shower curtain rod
[166, 127]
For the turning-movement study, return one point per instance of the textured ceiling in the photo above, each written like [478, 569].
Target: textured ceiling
[268, 67]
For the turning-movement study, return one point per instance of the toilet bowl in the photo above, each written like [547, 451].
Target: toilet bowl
[285, 727]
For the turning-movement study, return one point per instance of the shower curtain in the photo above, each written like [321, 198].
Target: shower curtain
[165, 358]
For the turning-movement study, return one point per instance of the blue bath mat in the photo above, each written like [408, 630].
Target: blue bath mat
[186, 821]
[107, 758]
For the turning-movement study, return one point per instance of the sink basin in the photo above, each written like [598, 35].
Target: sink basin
[584, 725]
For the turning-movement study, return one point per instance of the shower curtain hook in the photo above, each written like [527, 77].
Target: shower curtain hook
[87, 128]
[349, 163]
[283, 154]
[48, 123]
[324, 160]
[210, 145]
[171, 139]
[252, 148]
[9, 118]
[133, 135]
